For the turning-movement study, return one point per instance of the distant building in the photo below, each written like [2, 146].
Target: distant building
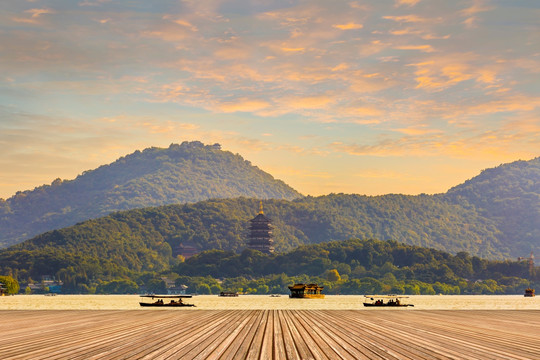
[187, 250]
[260, 233]
[48, 284]
[172, 288]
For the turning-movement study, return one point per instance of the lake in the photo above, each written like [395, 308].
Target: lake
[265, 302]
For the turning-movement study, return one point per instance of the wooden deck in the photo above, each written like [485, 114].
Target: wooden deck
[269, 334]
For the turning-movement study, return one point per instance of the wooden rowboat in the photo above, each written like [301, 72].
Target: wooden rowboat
[160, 303]
[385, 300]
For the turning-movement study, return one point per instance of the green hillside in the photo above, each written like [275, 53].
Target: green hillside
[508, 195]
[342, 267]
[189, 172]
[369, 266]
[222, 224]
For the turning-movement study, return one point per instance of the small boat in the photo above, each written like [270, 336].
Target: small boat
[529, 292]
[275, 295]
[176, 300]
[228, 294]
[306, 291]
[385, 300]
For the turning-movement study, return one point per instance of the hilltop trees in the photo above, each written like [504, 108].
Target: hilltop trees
[348, 267]
[11, 285]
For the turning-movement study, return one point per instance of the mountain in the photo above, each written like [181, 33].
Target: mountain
[508, 195]
[494, 215]
[136, 237]
[189, 172]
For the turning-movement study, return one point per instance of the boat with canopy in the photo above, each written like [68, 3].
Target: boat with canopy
[386, 300]
[170, 300]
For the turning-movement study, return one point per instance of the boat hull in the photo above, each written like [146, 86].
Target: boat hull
[165, 305]
[307, 296]
[387, 305]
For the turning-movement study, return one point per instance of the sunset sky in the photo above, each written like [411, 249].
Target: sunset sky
[368, 97]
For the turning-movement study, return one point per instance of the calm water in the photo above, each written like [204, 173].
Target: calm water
[330, 302]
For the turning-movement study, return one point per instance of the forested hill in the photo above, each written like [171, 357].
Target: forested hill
[494, 215]
[223, 224]
[464, 219]
[189, 172]
[508, 195]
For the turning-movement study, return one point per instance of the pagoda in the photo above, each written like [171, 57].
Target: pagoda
[260, 233]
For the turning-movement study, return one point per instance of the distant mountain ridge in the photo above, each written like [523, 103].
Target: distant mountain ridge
[188, 172]
[222, 224]
[509, 195]
[493, 215]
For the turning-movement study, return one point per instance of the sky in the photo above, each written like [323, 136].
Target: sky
[367, 97]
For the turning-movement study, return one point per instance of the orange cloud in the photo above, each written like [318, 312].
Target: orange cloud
[507, 104]
[443, 72]
[186, 24]
[362, 114]
[476, 8]
[406, 31]
[410, 19]
[486, 145]
[423, 48]
[306, 102]
[38, 12]
[288, 49]
[243, 105]
[470, 12]
[35, 14]
[407, 2]
[348, 26]
[417, 131]
[365, 83]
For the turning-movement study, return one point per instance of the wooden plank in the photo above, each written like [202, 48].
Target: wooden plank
[168, 337]
[342, 349]
[267, 346]
[385, 342]
[301, 347]
[288, 342]
[240, 348]
[256, 344]
[270, 334]
[207, 339]
[279, 341]
[231, 340]
[318, 348]
[361, 339]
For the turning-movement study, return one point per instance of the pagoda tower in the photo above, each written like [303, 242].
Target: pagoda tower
[260, 233]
